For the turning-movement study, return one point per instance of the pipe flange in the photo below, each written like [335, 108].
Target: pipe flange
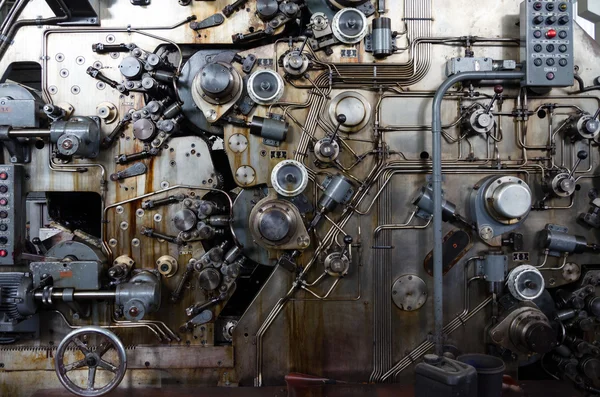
[525, 283]
[289, 178]
[349, 26]
[167, 266]
[265, 87]
[355, 107]
[508, 199]
[295, 64]
[327, 150]
[336, 264]
[319, 21]
[563, 185]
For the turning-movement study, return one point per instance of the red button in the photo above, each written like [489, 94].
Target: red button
[3, 253]
[551, 34]
[3, 176]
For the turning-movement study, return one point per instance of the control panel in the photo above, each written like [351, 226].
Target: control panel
[547, 43]
[12, 216]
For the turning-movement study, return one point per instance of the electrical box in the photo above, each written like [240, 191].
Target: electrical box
[12, 214]
[547, 43]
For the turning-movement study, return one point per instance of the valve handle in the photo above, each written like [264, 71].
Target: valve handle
[93, 358]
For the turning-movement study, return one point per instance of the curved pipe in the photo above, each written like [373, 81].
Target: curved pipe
[436, 128]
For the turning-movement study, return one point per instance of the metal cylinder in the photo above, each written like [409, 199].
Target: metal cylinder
[562, 242]
[336, 192]
[425, 203]
[566, 314]
[381, 37]
[269, 129]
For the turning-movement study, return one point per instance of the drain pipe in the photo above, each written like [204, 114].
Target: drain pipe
[438, 276]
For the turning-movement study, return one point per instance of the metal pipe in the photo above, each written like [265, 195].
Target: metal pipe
[29, 133]
[81, 295]
[436, 127]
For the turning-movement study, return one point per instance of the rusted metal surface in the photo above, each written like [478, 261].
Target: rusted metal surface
[339, 337]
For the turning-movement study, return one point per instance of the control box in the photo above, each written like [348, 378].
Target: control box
[12, 214]
[547, 43]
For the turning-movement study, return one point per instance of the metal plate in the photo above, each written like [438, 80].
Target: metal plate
[409, 293]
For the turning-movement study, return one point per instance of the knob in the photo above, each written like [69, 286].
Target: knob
[348, 239]
[581, 155]
[3, 240]
[498, 89]
[563, 20]
[538, 20]
[550, 20]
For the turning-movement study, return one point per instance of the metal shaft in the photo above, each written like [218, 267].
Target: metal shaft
[80, 295]
[29, 133]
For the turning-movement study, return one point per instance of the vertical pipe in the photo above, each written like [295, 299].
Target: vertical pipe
[436, 124]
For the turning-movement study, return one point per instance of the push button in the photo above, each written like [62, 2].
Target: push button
[3, 176]
[537, 6]
[550, 6]
[537, 62]
[3, 253]
[550, 76]
[563, 62]
[3, 188]
[550, 48]
[551, 34]
[537, 48]
[3, 227]
[550, 61]
[537, 34]
[563, 34]
[562, 48]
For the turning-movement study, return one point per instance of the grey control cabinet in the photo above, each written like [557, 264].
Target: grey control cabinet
[547, 43]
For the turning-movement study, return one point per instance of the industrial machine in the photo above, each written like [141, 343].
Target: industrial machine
[223, 192]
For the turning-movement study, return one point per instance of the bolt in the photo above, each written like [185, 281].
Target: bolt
[67, 144]
[133, 312]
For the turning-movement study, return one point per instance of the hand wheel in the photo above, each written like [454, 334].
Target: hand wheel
[93, 343]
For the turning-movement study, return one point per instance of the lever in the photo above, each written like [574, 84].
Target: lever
[128, 158]
[231, 8]
[39, 245]
[152, 234]
[110, 138]
[341, 119]
[581, 155]
[149, 204]
[348, 242]
[97, 74]
[498, 90]
[176, 294]
[101, 48]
